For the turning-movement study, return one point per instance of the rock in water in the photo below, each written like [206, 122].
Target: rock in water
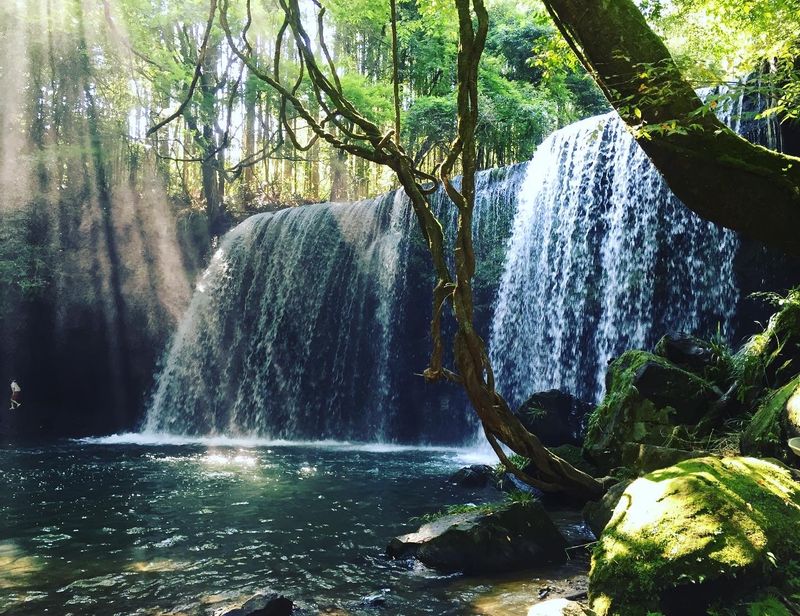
[271, 604]
[556, 417]
[557, 607]
[511, 536]
[647, 398]
[474, 476]
[776, 421]
[686, 537]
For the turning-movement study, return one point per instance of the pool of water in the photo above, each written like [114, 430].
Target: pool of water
[124, 526]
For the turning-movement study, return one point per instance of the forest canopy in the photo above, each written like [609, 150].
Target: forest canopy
[225, 152]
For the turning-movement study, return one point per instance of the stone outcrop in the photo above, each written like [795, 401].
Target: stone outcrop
[688, 352]
[556, 417]
[645, 458]
[474, 476]
[648, 400]
[597, 514]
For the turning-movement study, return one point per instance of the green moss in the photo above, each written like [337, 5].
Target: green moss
[765, 354]
[625, 415]
[621, 375]
[700, 521]
[515, 496]
[456, 509]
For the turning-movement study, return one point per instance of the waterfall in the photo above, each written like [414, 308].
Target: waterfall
[602, 258]
[312, 323]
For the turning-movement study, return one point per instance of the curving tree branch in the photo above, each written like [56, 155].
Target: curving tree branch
[715, 172]
[453, 286]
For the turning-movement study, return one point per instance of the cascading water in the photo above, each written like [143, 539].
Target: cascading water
[312, 323]
[603, 258]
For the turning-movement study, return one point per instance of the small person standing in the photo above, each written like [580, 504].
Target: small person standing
[16, 394]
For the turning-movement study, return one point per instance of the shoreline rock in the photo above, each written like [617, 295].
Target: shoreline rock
[263, 604]
[695, 535]
[648, 400]
[513, 536]
[556, 417]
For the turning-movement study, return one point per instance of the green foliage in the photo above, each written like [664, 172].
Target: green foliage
[766, 435]
[762, 359]
[515, 496]
[719, 41]
[721, 369]
[519, 461]
[26, 255]
[769, 606]
[518, 496]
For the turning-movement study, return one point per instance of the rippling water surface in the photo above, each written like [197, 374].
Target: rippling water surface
[115, 527]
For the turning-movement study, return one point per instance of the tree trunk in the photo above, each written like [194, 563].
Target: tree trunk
[249, 138]
[211, 193]
[716, 173]
[338, 175]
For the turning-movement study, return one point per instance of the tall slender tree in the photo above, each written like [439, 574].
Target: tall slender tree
[357, 135]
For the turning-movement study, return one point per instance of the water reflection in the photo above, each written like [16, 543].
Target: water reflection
[189, 529]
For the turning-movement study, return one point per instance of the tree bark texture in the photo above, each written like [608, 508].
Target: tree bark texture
[715, 172]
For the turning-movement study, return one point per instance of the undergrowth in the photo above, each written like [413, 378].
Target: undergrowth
[515, 496]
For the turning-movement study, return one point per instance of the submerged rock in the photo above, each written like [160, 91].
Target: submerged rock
[501, 538]
[268, 604]
[687, 537]
[556, 417]
[474, 476]
[648, 400]
[775, 422]
[376, 600]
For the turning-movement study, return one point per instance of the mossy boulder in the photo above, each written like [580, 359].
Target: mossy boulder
[689, 352]
[597, 514]
[645, 458]
[686, 537]
[509, 536]
[775, 422]
[556, 417]
[647, 398]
